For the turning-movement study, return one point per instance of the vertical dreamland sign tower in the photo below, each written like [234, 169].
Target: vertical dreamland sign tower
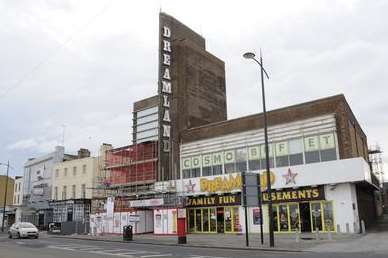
[191, 90]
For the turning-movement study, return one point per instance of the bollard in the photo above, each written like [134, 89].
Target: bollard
[316, 233]
[363, 231]
[338, 228]
[347, 228]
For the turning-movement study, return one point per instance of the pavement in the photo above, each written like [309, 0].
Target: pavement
[283, 242]
[47, 247]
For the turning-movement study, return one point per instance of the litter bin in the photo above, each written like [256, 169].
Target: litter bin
[127, 233]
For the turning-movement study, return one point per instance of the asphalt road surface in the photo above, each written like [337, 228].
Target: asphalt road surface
[64, 248]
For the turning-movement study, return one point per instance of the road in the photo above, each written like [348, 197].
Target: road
[63, 248]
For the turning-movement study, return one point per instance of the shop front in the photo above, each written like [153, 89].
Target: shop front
[314, 196]
[214, 213]
[304, 209]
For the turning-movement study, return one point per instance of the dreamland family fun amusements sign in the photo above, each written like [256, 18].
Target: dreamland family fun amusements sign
[217, 184]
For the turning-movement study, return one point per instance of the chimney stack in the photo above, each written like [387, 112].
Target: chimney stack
[83, 153]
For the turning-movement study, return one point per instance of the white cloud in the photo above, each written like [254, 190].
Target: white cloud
[97, 57]
[26, 144]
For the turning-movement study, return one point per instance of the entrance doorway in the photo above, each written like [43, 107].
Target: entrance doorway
[220, 220]
[305, 219]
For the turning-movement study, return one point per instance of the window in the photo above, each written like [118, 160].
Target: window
[320, 148]
[254, 158]
[217, 161]
[207, 165]
[74, 171]
[327, 144]
[147, 119]
[270, 155]
[147, 126]
[312, 156]
[191, 166]
[217, 170]
[65, 172]
[241, 160]
[281, 149]
[147, 111]
[254, 165]
[73, 191]
[57, 173]
[229, 161]
[83, 191]
[283, 217]
[311, 146]
[327, 155]
[293, 152]
[146, 134]
[316, 215]
[64, 193]
[196, 172]
[207, 171]
[186, 173]
[56, 193]
[328, 216]
[18, 199]
[296, 151]
[84, 169]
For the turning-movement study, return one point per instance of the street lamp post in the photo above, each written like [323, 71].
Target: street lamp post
[250, 55]
[5, 195]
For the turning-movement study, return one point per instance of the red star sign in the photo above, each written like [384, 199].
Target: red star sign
[290, 177]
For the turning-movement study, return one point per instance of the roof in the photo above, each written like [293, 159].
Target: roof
[328, 105]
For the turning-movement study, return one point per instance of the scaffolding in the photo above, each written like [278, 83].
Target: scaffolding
[131, 173]
[376, 162]
[131, 169]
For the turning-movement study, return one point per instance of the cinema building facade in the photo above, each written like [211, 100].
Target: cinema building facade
[186, 155]
[319, 171]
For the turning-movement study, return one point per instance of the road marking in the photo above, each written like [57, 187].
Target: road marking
[128, 253]
[60, 247]
[89, 249]
[201, 256]
[112, 252]
[109, 251]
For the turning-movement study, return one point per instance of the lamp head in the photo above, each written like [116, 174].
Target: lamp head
[249, 55]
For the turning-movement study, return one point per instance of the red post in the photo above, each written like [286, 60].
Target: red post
[181, 226]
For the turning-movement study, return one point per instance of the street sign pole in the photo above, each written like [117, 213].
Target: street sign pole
[5, 198]
[245, 208]
[261, 210]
